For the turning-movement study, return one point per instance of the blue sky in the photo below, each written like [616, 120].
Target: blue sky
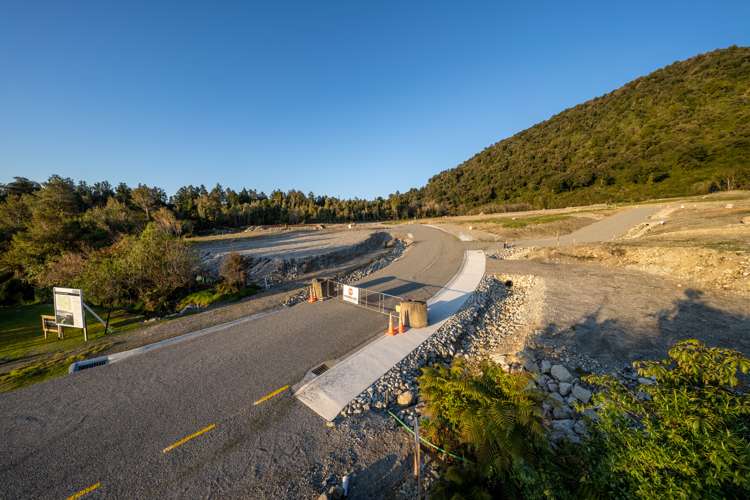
[343, 98]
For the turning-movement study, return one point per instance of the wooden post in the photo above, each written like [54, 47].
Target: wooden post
[85, 330]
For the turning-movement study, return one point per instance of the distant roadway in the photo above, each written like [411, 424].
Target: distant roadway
[158, 424]
[606, 229]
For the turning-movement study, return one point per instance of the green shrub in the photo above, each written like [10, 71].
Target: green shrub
[495, 419]
[14, 291]
[687, 436]
[683, 433]
[233, 271]
[205, 298]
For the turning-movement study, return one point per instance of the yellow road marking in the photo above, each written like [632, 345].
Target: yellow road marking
[271, 394]
[84, 491]
[188, 438]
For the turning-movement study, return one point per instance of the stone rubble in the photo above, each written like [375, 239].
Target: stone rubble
[489, 314]
[494, 324]
[487, 326]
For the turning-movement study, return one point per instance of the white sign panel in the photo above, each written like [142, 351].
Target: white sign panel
[69, 307]
[351, 294]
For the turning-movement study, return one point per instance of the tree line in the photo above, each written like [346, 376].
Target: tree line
[124, 244]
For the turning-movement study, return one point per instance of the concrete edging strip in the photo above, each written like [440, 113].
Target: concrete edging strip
[329, 393]
[119, 356]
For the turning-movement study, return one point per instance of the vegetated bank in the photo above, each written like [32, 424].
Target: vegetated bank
[681, 130]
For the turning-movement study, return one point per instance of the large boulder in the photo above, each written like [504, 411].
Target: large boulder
[564, 425]
[530, 366]
[581, 394]
[565, 388]
[563, 411]
[561, 373]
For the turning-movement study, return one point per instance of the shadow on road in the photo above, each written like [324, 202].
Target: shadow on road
[399, 287]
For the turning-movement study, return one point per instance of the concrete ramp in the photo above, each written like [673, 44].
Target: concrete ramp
[329, 393]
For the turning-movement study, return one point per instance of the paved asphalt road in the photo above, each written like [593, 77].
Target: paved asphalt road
[110, 425]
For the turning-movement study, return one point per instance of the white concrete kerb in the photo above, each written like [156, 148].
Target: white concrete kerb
[329, 393]
[119, 356]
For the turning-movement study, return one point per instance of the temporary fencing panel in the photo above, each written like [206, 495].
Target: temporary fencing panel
[369, 299]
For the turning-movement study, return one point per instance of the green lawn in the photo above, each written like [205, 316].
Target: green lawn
[21, 338]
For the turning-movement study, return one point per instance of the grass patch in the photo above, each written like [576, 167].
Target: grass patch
[205, 298]
[21, 338]
[21, 331]
[52, 366]
[521, 222]
[727, 246]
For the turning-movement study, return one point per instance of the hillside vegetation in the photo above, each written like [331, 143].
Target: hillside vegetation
[683, 129]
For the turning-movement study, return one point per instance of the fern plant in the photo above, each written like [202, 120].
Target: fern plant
[491, 416]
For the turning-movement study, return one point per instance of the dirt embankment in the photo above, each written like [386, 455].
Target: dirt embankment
[282, 269]
[699, 243]
[281, 257]
[693, 266]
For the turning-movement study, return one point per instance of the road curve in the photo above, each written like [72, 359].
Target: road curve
[110, 426]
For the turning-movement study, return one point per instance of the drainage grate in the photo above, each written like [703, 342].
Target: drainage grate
[321, 369]
[92, 364]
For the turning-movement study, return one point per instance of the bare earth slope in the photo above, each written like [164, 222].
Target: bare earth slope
[616, 316]
[617, 300]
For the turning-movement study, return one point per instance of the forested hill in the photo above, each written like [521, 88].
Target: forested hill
[683, 129]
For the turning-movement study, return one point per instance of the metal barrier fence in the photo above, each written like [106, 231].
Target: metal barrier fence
[380, 302]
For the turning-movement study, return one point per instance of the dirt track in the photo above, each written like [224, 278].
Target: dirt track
[616, 316]
[616, 302]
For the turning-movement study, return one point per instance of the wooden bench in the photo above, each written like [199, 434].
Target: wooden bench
[49, 324]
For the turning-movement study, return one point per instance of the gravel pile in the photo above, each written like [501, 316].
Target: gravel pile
[395, 252]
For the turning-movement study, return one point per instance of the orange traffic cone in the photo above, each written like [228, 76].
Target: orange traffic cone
[312, 296]
[391, 330]
[401, 326]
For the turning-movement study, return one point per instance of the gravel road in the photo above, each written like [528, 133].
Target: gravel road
[606, 229]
